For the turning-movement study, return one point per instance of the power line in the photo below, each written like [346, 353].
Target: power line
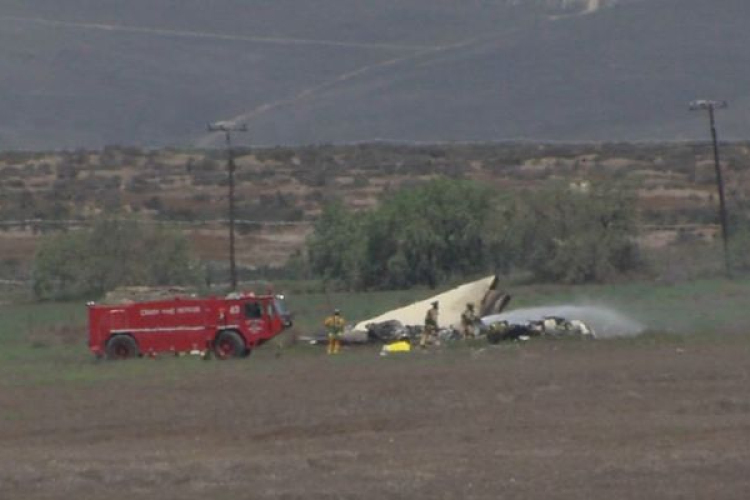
[710, 106]
[227, 129]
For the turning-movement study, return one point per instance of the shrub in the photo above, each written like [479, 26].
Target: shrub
[571, 237]
[430, 233]
[421, 235]
[112, 253]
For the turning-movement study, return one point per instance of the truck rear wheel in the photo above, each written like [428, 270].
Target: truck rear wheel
[229, 345]
[121, 347]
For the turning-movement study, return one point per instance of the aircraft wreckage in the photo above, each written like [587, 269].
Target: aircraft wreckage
[406, 323]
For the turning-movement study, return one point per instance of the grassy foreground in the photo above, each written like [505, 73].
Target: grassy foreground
[45, 343]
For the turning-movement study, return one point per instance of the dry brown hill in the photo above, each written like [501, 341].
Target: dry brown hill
[280, 191]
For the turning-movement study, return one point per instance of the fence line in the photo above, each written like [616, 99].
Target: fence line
[15, 282]
[197, 223]
[247, 222]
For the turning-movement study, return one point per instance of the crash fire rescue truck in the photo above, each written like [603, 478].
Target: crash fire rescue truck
[229, 327]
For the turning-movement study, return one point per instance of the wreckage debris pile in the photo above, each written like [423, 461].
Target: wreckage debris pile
[393, 330]
[482, 293]
[496, 331]
[604, 322]
[406, 323]
[550, 326]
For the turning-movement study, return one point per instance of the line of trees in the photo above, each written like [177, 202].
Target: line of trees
[428, 234]
[421, 235]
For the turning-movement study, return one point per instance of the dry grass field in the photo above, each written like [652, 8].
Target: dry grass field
[651, 419]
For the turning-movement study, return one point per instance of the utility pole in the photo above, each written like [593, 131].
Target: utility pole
[710, 106]
[228, 128]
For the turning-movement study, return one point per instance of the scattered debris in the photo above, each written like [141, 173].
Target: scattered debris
[349, 337]
[406, 323]
[498, 331]
[389, 331]
[604, 321]
[392, 330]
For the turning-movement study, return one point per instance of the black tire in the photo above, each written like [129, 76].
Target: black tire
[229, 345]
[121, 347]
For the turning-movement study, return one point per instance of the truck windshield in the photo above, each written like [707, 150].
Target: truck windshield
[282, 311]
[280, 306]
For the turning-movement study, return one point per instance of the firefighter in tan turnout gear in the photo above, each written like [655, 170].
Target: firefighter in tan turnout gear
[335, 326]
[429, 333]
[468, 322]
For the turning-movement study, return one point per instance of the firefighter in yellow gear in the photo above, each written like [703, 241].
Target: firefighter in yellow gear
[430, 325]
[335, 326]
[468, 322]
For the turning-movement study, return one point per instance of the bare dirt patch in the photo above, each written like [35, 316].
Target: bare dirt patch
[539, 420]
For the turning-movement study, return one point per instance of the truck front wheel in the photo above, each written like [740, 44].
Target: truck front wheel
[121, 347]
[229, 345]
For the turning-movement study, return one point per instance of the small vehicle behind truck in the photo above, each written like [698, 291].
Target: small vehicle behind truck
[230, 327]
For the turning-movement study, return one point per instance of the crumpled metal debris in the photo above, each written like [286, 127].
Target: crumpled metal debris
[393, 330]
[551, 326]
[388, 331]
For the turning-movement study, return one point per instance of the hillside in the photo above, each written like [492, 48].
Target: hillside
[280, 191]
[86, 73]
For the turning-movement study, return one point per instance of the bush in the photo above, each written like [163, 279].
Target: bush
[421, 235]
[112, 253]
[571, 237]
[429, 234]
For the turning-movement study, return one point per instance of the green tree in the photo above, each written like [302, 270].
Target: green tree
[420, 235]
[430, 233]
[111, 253]
[333, 248]
[567, 236]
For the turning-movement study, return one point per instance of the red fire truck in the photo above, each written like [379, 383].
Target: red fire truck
[230, 326]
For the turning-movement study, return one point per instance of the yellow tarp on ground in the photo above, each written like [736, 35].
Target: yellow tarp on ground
[400, 346]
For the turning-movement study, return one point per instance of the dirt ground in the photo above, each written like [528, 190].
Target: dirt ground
[541, 420]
